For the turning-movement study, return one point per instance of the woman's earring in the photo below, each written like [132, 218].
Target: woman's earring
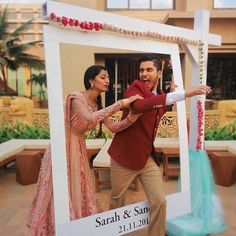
[91, 85]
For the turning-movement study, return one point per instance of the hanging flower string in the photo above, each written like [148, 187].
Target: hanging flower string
[96, 26]
[200, 104]
[83, 25]
[199, 145]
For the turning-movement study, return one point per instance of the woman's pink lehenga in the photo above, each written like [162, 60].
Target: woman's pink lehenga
[81, 190]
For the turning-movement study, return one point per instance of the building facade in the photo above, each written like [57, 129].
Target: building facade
[221, 60]
[123, 64]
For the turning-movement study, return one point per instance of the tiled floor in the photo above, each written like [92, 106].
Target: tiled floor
[15, 200]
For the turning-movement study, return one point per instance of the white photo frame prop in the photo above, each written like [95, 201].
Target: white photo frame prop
[132, 217]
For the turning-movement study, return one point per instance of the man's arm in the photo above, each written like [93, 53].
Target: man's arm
[174, 97]
[180, 95]
[162, 100]
[149, 102]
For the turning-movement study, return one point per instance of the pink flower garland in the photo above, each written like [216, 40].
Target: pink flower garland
[89, 26]
[200, 105]
[84, 25]
[199, 145]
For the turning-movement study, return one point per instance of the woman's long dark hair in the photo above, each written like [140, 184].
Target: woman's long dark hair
[90, 74]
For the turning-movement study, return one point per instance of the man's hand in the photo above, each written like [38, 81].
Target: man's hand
[199, 90]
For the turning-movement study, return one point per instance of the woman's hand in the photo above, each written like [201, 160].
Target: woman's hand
[132, 117]
[199, 90]
[127, 101]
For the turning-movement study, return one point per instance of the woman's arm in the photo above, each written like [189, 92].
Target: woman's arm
[84, 120]
[115, 127]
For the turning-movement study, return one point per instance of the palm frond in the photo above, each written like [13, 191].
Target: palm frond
[27, 56]
[22, 28]
[40, 79]
[30, 60]
[6, 44]
[14, 53]
[12, 64]
[16, 50]
[27, 45]
[3, 23]
[11, 40]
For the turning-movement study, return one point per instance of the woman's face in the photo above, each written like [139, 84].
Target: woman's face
[101, 81]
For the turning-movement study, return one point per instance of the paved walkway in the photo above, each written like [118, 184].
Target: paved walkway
[15, 200]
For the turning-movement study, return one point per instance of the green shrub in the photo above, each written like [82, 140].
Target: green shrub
[22, 131]
[227, 132]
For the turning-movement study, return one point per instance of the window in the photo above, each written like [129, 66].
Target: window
[11, 15]
[40, 27]
[12, 26]
[38, 14]
[17, 80]
[27, 15]
[221, 74]
[140, 4]
[224, 4]
[117, 4]
[162, 4]
[30, 27]
[40, 37]
[123, 71]
[28, 37]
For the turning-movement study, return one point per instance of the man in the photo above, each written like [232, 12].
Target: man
[132, 150]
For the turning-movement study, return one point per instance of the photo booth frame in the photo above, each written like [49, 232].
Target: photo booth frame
[177, 203]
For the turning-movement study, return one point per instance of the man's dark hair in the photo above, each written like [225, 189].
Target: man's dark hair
[154, 58]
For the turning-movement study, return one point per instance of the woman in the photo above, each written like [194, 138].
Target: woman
[83, 111]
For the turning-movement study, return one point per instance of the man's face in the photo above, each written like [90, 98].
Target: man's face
[149, 75]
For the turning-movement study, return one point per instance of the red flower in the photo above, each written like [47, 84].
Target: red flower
[82, 25]
[91, 25]
[64, 20]
[97, 26]
[52, 16]
[71, 22]
[76, 23]
[86, 25]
